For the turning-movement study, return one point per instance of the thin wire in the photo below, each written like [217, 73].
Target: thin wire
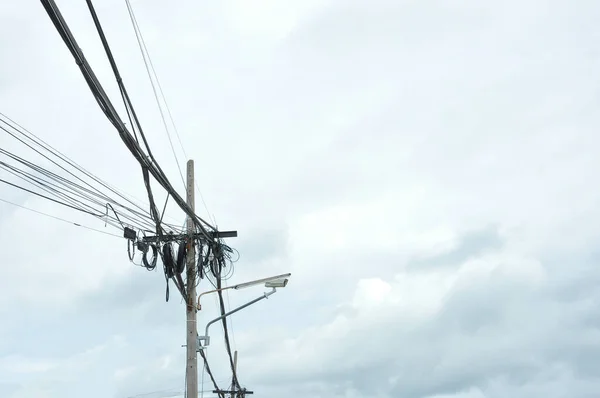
[220, 260]
[148, 64]
[230, 318]
[149, 164]
[59, 192]
[48, 198]
[176, 393]
[212, 378]
[212, 217]
[43, 144]
[59, 219]
[37, 141]
[202, 380]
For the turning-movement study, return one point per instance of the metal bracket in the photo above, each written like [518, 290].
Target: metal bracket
[205, 339]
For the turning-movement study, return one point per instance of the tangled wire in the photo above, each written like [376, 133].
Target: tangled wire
[214, 259]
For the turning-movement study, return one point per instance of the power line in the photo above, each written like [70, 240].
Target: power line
[149, 65]
[230, 319]
[60, 160]
[66, 190]
[35, 140]
[220, 263]
[46, 186]
[59, 219]
[150, 68]
[145, 158]
[49, 198]
[207, 367]
[148, 163]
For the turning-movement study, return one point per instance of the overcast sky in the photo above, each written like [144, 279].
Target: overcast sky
[427, 170]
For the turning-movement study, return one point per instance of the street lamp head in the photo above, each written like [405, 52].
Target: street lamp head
[277, 283]
[273, 282]
[278, 278]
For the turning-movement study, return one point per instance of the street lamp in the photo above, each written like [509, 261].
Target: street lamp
[272, 282]
[283, 278]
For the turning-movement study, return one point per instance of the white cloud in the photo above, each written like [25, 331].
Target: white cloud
[16, 364]
[268, 17]
[424, 170]
[471, 393]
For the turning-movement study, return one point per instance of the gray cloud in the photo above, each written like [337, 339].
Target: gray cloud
[422, 169]
[472, 244]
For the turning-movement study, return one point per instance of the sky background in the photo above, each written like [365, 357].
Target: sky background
[427, 170]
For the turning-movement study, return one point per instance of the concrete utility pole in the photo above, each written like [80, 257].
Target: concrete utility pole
[190, 309]
[191, 236]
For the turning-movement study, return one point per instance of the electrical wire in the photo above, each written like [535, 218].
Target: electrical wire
[146, 160]
[14, 130]
[59, 218]
[50, 199]
[105, 103]
[152, 72]
[148, 64]
[219, 262]
[150, 164]
[66, 191]
[210, 374]
[50, 187]
[81, 187]
[231, 318]
[202, 380]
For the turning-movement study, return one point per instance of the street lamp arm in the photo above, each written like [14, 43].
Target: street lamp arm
[199, 307]
[272, 279]
[206, 338]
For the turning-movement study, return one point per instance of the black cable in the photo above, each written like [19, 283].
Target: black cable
[164, 208]
[219, 261]
[199, 260]
[41, 143]
[61, 193]
[45, 186]
[129, 250]
[27, 177]
[149, 65]
[168, 261]
[110, 112]
[68, 161]
[147, 162]
[50, 199]
[129, 105]
[65, 189]
[70, 186]
[212, 378]
[59, 218]
[97, 89]
[150, 265]
[181, 257]
[169, 267]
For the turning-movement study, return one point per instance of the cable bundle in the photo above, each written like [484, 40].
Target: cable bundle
[146, 161]
[75, 187]
[214, 256]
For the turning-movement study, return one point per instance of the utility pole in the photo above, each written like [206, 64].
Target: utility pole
[190, 308]
[234, 392]
[190, 237]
